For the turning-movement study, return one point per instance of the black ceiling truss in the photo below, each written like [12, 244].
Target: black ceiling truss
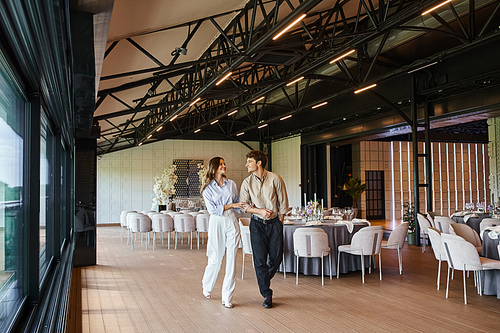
[263, 67]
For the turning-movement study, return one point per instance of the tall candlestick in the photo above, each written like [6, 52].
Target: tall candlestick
[322, 204]
[305, 200]
[315, 197]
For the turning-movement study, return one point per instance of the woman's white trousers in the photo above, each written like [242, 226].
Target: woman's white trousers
[223, 236]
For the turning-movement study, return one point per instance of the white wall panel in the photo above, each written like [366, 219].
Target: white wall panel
[286, 163]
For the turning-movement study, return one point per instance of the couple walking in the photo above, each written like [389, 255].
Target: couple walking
[263, 194]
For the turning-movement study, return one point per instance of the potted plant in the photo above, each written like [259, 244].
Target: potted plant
[409, 216]
[354, 189]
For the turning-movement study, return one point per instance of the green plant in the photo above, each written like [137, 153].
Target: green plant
[409, 216]
[354, 189]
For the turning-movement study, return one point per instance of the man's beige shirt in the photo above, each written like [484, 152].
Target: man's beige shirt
[270, 193]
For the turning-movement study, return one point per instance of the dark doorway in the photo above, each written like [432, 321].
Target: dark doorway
[375, 199]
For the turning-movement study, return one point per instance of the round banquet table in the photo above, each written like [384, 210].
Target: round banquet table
[472, 222]
[337, 235]
[490, 280]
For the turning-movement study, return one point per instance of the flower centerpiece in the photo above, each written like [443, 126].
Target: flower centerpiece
[163, 188]
[312, 212]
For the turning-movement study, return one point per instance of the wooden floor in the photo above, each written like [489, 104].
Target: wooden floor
[160, 291]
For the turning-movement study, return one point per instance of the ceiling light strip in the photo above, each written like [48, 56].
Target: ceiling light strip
[241, 133]
[365, 88]
[262, 126]
[289, 26]
[258, 99]
[231, 113]
[342, 56]
[286, 117]
[174, 117]
[435, 7]
[214, 122]
[224, 78]
[319, 105]
[417, 69]
[149, 136]
[159, 128]
[295, 81]
[195, 101]
[196, 131]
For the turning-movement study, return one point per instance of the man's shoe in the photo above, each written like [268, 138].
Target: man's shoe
[268, 302]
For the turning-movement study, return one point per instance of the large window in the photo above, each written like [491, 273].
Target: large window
[46, 189]
[12, 134]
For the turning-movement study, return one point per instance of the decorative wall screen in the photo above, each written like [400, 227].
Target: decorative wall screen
[188, 181]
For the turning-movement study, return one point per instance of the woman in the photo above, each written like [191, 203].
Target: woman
[221, 196]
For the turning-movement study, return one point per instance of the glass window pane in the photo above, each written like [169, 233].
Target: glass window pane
[12, 124]
[46, 191]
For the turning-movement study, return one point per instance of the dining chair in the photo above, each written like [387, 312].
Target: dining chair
[424, 224]
[145, 212]
[172, 214]
[438, 249]
[487, 222]
[129, 224]
[361, 245]
[184, 223]
[140, 224]
[245, 238]
[123, 220]
[202, 223]
[431, 216]
[311, 243]
[443, 223]
[463, 256]
[194, 214]
[396, 241]
[162, 223]
[469, 234]
[377, 245]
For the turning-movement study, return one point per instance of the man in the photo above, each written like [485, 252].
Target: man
[265, 192]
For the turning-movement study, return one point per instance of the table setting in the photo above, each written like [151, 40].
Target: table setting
[490, 279]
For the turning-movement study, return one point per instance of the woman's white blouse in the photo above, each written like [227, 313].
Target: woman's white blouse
[216, 197]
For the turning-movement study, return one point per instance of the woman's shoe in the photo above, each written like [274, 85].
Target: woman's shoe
[227, 304]
[206, 294]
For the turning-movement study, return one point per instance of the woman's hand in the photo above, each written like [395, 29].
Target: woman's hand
[241, 205]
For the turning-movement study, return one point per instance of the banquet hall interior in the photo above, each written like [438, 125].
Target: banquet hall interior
[381, 117]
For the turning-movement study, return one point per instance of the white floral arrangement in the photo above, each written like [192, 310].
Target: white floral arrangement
[164, 186]
[202, 173]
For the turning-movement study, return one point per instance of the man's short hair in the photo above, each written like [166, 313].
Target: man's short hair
[258, 155]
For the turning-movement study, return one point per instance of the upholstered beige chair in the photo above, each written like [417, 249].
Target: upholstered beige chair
[140, 224]
[245, 238]
[361, 245]
[443, 223]
[201, 226]
[184, 223]
[469, 234]
[162, 223]
[438, 249]
[463, 256]
[487, 222]
[424, 224]
[311, 243]
[123, 220]
[396, 241]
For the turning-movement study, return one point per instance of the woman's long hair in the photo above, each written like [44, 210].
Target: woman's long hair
[213, 165]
